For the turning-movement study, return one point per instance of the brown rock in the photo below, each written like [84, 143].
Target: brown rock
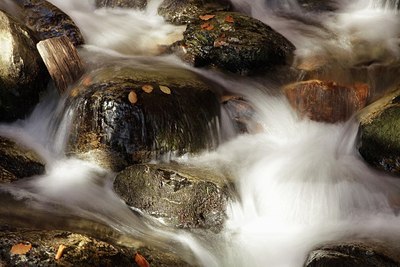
[326, 101]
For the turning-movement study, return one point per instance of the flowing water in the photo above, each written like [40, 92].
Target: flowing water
[300, 183]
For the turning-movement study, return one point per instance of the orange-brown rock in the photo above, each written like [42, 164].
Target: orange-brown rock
[326, 101]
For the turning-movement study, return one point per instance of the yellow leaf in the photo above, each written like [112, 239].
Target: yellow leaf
[141, 261]
[147, 88]
[165, 89]
[132, 97]
[206, 17]
[60, 252]
[20, 249]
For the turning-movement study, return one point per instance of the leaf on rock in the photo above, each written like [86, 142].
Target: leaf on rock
[132, 97]
[141, 261]
[165, 89]
[206, 17]
[60, 252]
[147, 88]
[229, 19]
[20, 249]
[207, 26]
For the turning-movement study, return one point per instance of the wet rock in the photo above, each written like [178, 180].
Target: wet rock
[187, 11]
[137, 4]
[318, 5]
[353, 254]
[126, 115]
[240, 112]
[80, 250]
[48, 21]
[233, 42]
[379, 142]
[22, 73]
[326, 101]
[184, 196]
[17, 162]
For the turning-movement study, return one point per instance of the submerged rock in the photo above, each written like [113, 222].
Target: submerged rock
[184, 196]
[18, 162]
[241, 113]
[379, 142]
[326, 101]
[187, 11]
[234, 42]
[137, 4]
[22, 73]
[126, 115]
[353, 254]
[48, 21]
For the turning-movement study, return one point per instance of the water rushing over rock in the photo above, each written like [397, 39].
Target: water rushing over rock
[299, 186]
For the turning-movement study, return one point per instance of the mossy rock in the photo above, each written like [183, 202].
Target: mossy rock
[182, 196]
[186, 11]
[379, 142]
[126, 115]
[17, 162]
[136, 4]
[234, 42]
[47, 21]
[22, 73]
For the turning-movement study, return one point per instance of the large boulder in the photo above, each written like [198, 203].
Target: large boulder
[379, 142]
[47, 21]
[22, 73]
[18, 162]
[354, 254]
[326, 101]
[136, 4]
[233, 42]
[26, 247]
[180, 195]
[187, 11]
[127, 115]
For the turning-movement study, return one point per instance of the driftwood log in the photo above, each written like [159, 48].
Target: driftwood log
[62, 61]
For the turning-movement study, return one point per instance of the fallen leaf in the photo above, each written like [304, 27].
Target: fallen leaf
[165, 89]
[132, 97]
[147, 88]
[141, 261]
[87, 81]
[220, 42]
[20, 249]
[207, 26]
[60, 252]
[229, 19]
[206, 17]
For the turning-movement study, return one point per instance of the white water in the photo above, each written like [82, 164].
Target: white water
[301, 183]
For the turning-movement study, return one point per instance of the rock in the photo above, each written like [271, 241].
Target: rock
[48, 21]
[22, 73]
[240, 112]
[233, 42]
[379, 141]
[183, 196]
[318, 5]
[80, 250]
[120, 123]
[326, 101]
[17, 162]
[353, 254]
[137, 4]
[187, 11]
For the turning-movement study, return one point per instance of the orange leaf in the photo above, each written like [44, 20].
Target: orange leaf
[205, 25]
[209, 28]
[141, 261]
[20, 249]
[60, 252]
[206, 17]
[229, 19]
[132, 97]
[147, 88]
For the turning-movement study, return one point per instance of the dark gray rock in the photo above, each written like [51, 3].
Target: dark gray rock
[234, 42]
[119, 122]
[187, 11]
[183, 196]
[136, 4]
[22, 73]
[47, 21]
[17, 162]
[241, 113]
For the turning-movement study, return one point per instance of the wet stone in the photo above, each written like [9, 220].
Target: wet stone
[240, 112]
[136, 4]
[180, 195]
